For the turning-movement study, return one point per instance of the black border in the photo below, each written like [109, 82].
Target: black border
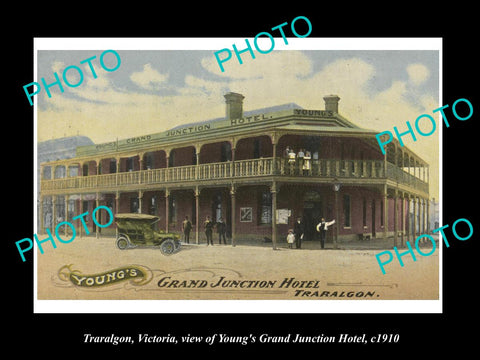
[419, 333]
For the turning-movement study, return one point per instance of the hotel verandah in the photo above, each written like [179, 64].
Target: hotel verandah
[235, 168]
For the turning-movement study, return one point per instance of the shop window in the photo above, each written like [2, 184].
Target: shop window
[217, 210]
[364, 212]
[193, 218]
[381, 213]
[172, 209]
[134, 205]
[265, 213]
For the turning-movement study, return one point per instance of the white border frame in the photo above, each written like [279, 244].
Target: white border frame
[238, 306]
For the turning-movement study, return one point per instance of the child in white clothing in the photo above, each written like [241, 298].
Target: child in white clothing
[290, 238]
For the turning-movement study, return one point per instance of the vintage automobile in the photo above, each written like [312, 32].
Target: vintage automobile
[138, 230]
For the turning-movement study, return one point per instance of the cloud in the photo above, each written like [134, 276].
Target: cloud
[274, 64]
[149, 78]
[417, 74]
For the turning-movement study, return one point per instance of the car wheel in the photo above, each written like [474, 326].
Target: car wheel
[122, 243]
[178, 244]
[167, 247]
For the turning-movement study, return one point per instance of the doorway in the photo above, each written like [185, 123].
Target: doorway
[312, 214]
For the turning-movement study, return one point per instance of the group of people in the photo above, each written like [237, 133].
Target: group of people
[302, 160]
[208, 226]
[295, 235]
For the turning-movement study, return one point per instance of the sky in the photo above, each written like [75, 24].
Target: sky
[155, 90]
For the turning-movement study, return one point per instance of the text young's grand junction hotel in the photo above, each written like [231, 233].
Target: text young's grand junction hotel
[236, 168]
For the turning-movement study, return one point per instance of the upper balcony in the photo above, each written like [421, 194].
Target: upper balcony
[359, 172]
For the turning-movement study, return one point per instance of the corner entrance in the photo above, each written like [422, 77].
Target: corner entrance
[312, 214]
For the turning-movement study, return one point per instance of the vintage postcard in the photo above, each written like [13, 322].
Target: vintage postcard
[190, 176]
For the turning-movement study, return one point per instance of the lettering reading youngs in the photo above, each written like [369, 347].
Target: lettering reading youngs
[255, 42]
[66, 71]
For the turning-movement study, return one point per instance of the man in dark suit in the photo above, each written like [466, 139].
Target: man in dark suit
[187, 227]
[298, 230]
[208, 225]
[221, 230]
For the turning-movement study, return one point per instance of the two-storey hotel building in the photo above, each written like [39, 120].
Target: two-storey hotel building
[237, 168]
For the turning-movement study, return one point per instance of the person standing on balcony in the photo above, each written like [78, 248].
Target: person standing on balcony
[291, 161]
[307, 166]
[300, 158]
[208, 225]
[284, 164]
[187, 227]
[316, 163]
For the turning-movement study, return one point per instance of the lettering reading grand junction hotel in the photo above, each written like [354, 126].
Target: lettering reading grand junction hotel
[243, 120]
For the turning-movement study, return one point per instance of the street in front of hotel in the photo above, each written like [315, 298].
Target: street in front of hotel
[222, 272]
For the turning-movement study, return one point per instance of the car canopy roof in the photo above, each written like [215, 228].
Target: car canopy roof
[135, 216]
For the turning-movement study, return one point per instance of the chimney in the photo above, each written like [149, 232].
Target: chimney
[331, 103]
[234, 109]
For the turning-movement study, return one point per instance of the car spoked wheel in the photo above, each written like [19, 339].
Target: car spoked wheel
[167, 247]
[122, 243]
[178, 244]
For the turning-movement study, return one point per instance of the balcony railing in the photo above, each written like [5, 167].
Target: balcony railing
[324, 168]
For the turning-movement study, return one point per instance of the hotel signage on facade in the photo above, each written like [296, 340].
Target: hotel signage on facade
[194, 129]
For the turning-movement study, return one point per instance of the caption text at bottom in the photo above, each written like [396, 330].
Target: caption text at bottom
[244, 340]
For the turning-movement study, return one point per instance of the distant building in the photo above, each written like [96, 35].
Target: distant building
[53, 150]
[236, 167]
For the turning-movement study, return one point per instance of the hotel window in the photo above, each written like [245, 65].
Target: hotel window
[346, 210]
[47, 173]
[225, 152]
[113, 166]
[153, 205]
[265, 213]
[364, 212]
[352, 162]
[171, 159]
[194, 157]
[134, 205]
[362, 158]
[193, 218]
[172, 209]
[256, 148]
[381, 213]
[148, 161]
[130, 164]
